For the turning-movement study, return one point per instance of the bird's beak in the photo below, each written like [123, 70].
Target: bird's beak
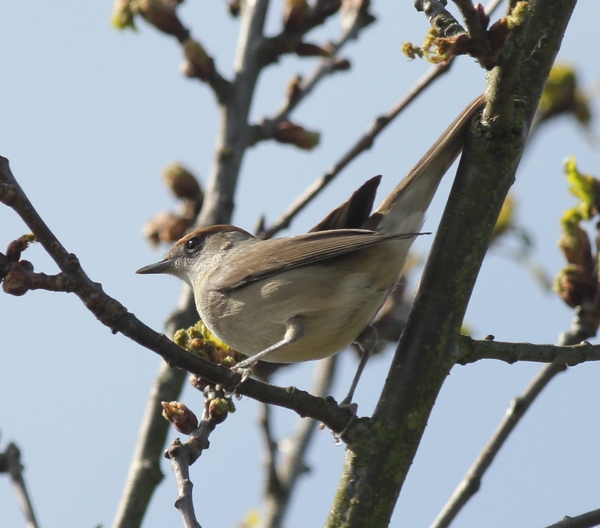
[164, 266]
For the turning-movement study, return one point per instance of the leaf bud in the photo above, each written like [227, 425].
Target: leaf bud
[26, 265]
[198, 63]
[288, 132]
[161, 14]
[234, 7]
[306, 49]
[166, 227]
[217, 410]
[294, 88]
[574, 285]
[182, 418]
[562, 95]
[122, 16]
[17, 246]
[294, 14]
[575, 245]
[341, 64]
[182, 182]
[16, 282]
[498, 33]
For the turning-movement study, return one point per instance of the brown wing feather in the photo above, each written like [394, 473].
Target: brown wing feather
[353, 213]
[293, 252]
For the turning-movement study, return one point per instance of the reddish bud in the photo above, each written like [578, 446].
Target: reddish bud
[198, 63]
[484, 19]
[498, 34]
[173, 230]
[166, 227]
[161, 14]
[234, 8]
[461, 44]
[16, 247]
[576, 247]
[294, 14]
[180, 416]
[196, 344]
[306, 49]
[26, 265]
[574, 285]
[16, 282]
[294, 88]
[217, 409]
[341, 64]
[182, 182]
[288, 132]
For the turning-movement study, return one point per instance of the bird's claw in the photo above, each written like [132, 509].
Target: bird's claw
[244, 372]
[353, 408]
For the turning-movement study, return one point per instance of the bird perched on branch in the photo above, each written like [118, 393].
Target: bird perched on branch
[306, 297]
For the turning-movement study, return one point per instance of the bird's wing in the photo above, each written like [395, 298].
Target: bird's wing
[353, 213]
[283, 254]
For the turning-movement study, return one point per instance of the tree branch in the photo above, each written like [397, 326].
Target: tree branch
[232, 140]
[585, 520]
[183, 455]
[585, 325]
[439, 17]
[288, 40]
[472, 480]
[114, 315]
[364, 143]
[470, 350]
[284, 475]
[268, 126]
[234, 133]
[10, 462]
[425, 353]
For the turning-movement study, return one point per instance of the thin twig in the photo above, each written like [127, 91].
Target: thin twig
[182, 456]
[585, 325]
[472, 480]
[285, 473]
[424, 355]
[364, 143]
[471, 350]
[114, 315]
[273, 484]
[327, 66]
[289, 38]
[439, 17]
[144, 473]
[585, 520]
[11, 463]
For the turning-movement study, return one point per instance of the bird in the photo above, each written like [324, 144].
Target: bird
[309, 296]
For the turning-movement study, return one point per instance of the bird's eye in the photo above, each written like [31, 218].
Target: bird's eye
[193, 245]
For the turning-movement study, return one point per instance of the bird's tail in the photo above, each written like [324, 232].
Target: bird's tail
[404, 209]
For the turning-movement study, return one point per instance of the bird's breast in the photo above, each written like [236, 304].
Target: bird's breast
[334, 299]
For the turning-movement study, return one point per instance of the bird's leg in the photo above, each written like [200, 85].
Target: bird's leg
[366, 341]
[294, 330]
